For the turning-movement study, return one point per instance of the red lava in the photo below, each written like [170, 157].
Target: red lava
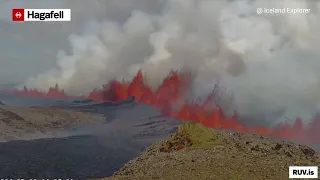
[172, 92]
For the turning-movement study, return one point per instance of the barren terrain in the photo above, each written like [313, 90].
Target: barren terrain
[19, 122]
[193, 152]
[196, 152]
[73, 143]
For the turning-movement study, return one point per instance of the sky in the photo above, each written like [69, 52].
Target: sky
[28, 49]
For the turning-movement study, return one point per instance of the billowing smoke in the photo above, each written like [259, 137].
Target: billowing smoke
[268, 62]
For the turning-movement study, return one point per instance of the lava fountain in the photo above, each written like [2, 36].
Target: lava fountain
[170, 98]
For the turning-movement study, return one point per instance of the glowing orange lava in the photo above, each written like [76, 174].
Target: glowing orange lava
[172, 92]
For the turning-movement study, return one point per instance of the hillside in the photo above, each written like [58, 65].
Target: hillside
[51, 143]
[196, 152]
[16, 122]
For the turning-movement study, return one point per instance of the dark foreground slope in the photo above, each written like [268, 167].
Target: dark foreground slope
[77, 142]
[196, 152]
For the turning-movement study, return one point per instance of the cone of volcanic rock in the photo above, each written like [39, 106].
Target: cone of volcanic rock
[196, 152]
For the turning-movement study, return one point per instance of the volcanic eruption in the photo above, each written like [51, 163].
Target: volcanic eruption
[171, 92]
[267, 63]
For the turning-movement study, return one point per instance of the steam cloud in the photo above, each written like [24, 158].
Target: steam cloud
[269, 63]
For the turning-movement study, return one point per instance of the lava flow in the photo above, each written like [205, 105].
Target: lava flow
[170, 94]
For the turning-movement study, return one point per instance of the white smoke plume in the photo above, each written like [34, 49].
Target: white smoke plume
[268, 62]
